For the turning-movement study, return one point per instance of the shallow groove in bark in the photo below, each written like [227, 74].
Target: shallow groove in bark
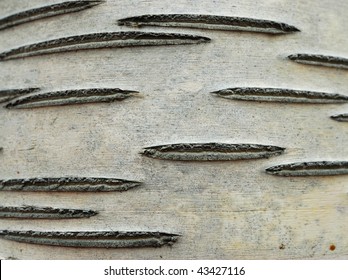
[9, 94]
[68, 184]
[102, 40]
[320, 60]
[340, 117]
[209, 22]
[92, 239]
[70, 97]
[280, 95]
[211, 151]
[316, 168]
[46, 11]
[34, 212]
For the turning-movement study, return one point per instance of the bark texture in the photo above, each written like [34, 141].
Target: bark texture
[220, 209]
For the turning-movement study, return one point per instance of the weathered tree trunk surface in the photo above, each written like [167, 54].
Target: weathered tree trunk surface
[221, 209]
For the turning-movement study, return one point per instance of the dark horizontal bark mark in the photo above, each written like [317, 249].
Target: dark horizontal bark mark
[317, 168]
[33, 212]
[101, 239]
[340, 118]
[209, 22]
[68, 184]
[321, 60]
[7, 95]
[211, 151]
[46, 11]
[280, 95]
[70, 97]
[102, 40]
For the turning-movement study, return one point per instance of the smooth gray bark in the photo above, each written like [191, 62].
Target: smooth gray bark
[221, 209]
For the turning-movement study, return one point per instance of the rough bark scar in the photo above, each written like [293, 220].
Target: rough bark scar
[68, 184]
[92, 239]
[320, 60]
[9, 94]
[45, 12]
[33, 212]
[280, 95]
[211, 151]
[209, 22]
[340, 117]
[70, 97]
[102, 40]
[318, 168]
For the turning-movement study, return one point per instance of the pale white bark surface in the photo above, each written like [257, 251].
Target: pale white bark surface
[223, 210]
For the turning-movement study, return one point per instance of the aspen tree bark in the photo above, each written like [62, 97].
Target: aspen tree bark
[219, 133]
